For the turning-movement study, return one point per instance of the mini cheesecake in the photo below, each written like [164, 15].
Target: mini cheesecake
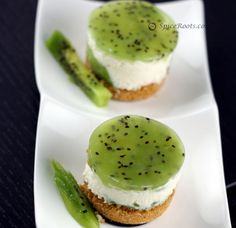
[130, 45]
[134, 164]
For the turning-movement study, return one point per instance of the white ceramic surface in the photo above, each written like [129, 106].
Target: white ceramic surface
[185, 103]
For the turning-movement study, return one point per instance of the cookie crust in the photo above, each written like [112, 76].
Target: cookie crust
[132, 95]
[122, 214]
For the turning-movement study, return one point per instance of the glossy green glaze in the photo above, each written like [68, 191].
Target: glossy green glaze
[135, 153]
[133, 30]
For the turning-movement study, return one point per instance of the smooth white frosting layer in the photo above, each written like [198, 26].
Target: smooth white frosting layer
[130, 75]
[137, 199]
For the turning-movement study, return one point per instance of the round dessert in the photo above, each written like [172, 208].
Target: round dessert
[130, 44]
[133, 168]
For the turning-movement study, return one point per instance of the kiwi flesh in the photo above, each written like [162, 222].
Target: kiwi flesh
[65, 54]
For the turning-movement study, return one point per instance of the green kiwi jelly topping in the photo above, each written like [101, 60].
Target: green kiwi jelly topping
[133, 30]
[135, 153]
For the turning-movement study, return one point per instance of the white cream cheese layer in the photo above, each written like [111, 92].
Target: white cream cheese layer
[136, 199]
[130, 75]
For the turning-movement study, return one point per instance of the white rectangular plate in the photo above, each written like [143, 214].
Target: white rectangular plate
[186, 90]
[185, 103]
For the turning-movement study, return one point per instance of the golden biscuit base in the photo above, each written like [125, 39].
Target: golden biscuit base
[132, 95]
[122, 214]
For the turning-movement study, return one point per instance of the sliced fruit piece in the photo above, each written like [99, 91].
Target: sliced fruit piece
[74, 200]
[67, 57]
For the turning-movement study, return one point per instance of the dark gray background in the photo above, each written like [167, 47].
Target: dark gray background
[19, 102]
